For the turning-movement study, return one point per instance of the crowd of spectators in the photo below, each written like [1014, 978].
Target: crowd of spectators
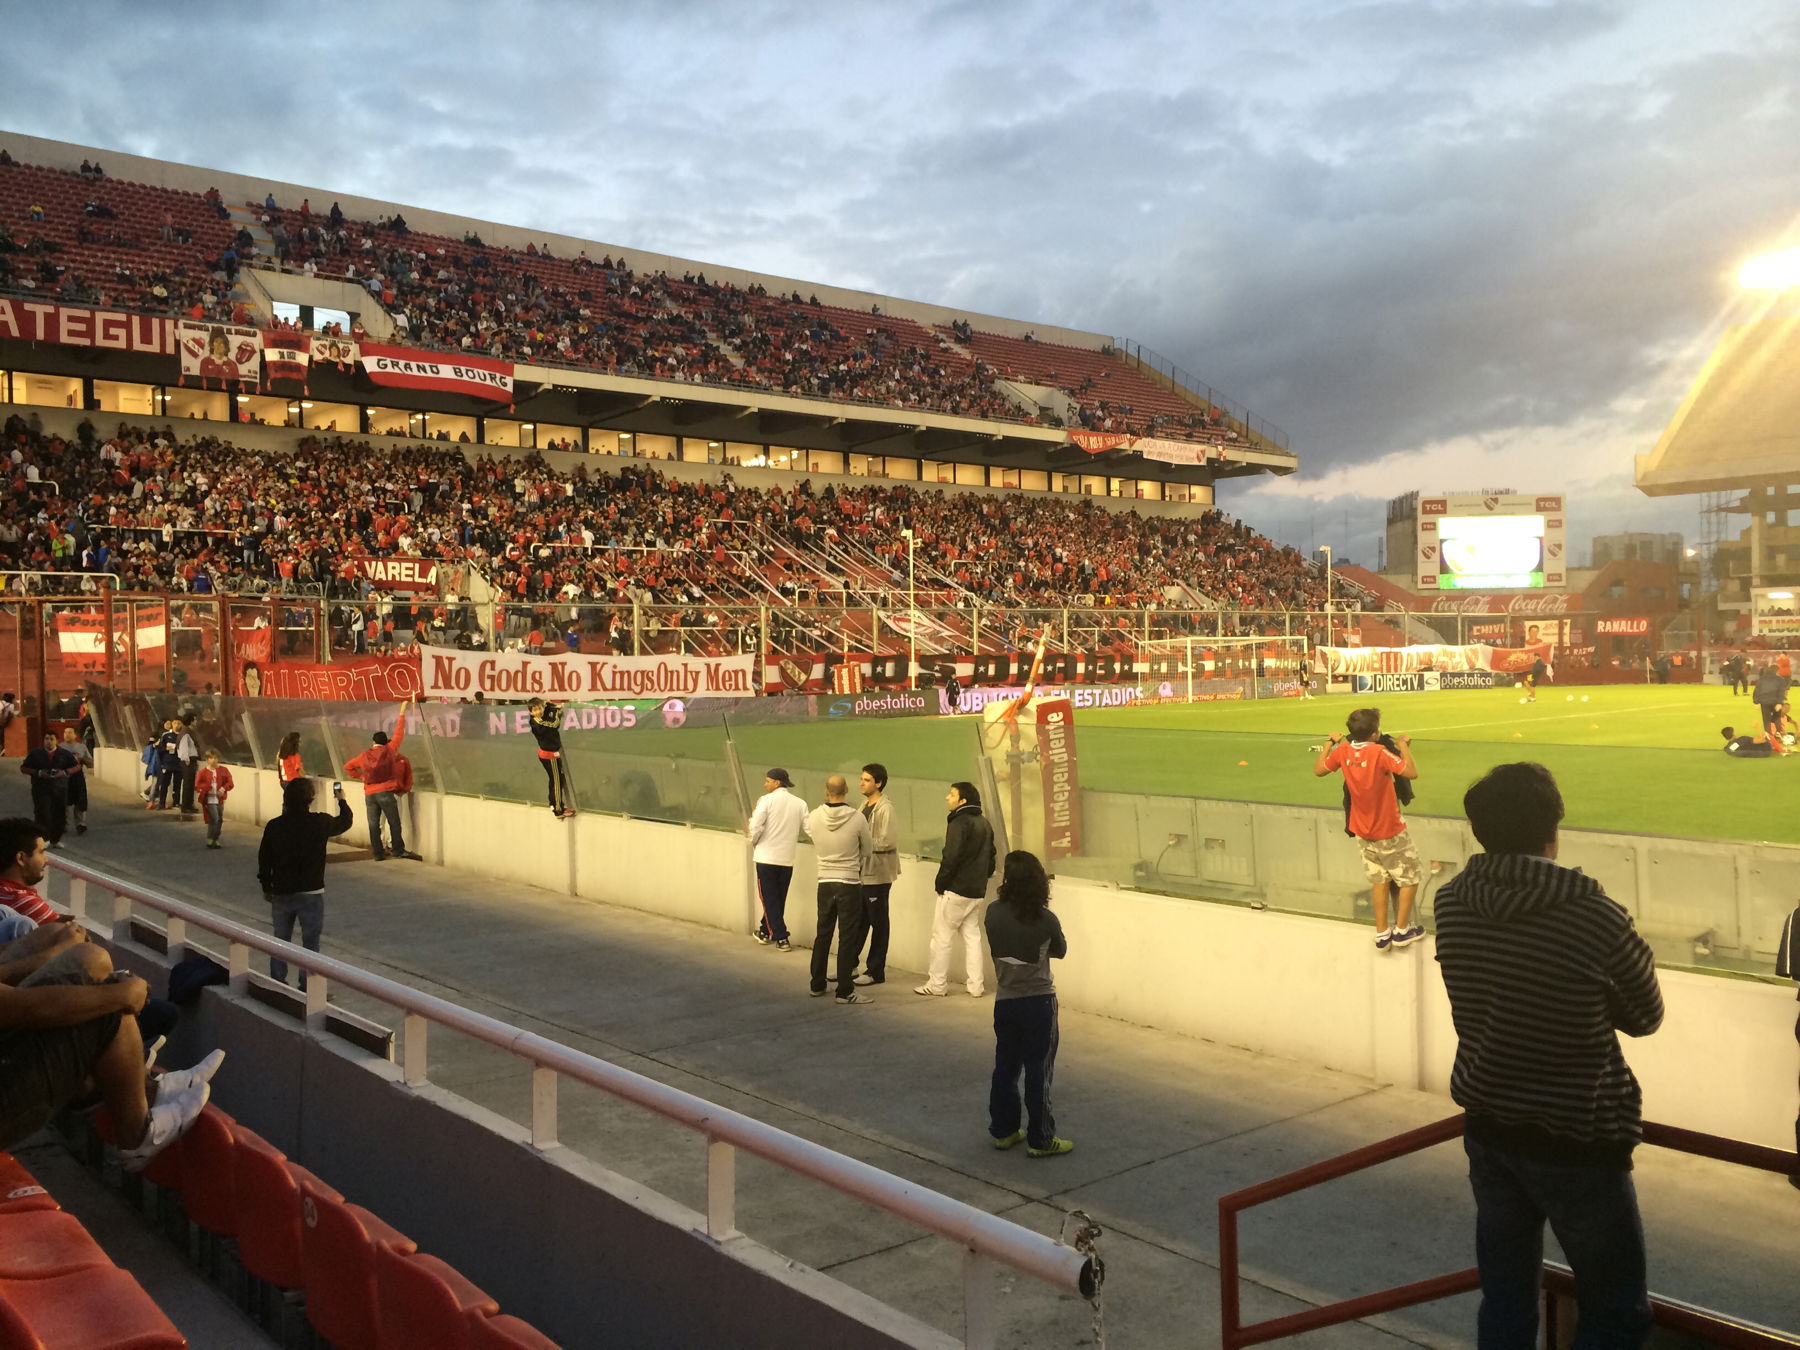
[199, 514]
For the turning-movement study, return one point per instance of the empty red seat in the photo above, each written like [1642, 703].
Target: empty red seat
[46, 1242]
[99, 1309]
[338, 1242]
[506, 1332]
[425, 1303]
[207, 1169]
[19, 1190]
[266, 1197]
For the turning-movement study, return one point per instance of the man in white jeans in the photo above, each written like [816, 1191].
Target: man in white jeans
[962, 879]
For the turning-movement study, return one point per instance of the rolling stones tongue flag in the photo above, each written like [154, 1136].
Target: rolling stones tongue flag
[219, 351]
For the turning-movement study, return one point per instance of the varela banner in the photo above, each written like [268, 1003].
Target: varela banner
[395, 574]
[403, 368]
[450, 673]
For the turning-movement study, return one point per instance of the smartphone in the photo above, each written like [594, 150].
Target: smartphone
[337, 787]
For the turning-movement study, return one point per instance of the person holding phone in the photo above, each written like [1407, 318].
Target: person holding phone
[291, 866]
[379, 770]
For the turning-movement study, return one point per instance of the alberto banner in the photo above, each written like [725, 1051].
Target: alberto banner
[377, 679]
[403, 368]
[286, 356]
[219, 351]
[449, 673]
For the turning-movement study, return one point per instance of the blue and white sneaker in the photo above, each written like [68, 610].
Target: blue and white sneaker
[1405, 937]
[1384, 940]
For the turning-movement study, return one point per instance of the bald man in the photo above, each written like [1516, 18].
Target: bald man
[841, 844]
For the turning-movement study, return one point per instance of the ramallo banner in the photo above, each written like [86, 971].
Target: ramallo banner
[403, 368]
[72, 326]
[448, 673]
[219, 351]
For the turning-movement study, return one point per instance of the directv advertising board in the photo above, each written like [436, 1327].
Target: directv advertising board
[1510, 541]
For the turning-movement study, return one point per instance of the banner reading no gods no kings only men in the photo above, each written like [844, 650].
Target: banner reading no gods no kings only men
[509, 675]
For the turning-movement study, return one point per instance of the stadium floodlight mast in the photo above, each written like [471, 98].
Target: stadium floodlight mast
[912, 611]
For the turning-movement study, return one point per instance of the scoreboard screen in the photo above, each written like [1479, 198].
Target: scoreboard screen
[1500, 542]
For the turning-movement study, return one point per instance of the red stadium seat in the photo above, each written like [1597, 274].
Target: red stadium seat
[506, 1332]
[46, 1242]
[424, 1303]
[338, 1242]
[19, 1190]
[266, 1197]
[99, 1309]
[207, 1171]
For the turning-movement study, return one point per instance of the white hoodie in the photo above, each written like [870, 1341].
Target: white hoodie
[840, 838]
[775, 827]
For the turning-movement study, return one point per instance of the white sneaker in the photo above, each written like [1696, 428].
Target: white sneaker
[927, 989]
[172, 1116]
[977, 993]
[864, 978]
[181, 1080]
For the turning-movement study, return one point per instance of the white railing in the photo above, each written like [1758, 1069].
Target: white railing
[986, 1239]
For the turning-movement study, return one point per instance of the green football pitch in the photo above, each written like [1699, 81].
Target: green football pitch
[1635, 758]
[1643, 759]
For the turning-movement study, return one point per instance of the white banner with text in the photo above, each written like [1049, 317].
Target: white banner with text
[448, 673]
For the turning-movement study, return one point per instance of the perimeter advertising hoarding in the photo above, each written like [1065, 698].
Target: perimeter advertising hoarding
[1512, 541]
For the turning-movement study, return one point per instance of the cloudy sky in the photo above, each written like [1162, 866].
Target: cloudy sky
[1442, 245]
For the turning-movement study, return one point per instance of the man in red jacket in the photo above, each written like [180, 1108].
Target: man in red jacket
[379, 773]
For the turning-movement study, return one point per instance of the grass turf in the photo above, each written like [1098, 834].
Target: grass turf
[1637, 758]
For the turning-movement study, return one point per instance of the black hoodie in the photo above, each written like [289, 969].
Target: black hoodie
[1542, 969]
[292, 858]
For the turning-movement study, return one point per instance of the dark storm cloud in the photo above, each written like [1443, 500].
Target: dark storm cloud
[1388, 228]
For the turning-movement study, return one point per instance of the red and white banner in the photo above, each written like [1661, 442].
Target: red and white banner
[377, 679]
[395, 574]
[1631, 627]
[1405, 660]
[81, 639]
[71, 326]
[219, 351]
[449, 673]
[253, 645]
[286, 356]
[403, 368]
[1061, 780]
[1098, 442]
[1150, 447]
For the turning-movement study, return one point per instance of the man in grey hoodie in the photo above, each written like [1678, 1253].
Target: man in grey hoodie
[841, 847]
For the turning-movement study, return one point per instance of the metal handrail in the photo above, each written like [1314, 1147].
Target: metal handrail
[1233, 1335]
[985, 1238]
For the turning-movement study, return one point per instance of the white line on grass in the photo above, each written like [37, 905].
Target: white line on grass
[1553, 717]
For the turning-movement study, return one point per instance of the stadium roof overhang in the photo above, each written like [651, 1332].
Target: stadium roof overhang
[1739, 424]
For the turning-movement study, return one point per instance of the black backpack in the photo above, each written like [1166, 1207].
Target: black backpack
[1403, 788]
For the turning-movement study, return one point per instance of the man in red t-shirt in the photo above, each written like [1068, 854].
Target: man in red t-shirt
[1389, 859]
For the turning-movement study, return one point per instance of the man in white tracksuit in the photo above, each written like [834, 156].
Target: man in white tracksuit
[775, 828]
[962, 879]
[840, 838]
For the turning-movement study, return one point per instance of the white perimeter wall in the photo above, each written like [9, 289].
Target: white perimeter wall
[1307, 989]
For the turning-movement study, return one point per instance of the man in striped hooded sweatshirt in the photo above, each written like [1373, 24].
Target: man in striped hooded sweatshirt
[1543, 970]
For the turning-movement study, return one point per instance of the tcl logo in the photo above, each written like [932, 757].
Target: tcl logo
[1433, 506]
[1549, 504]
[1427, 527]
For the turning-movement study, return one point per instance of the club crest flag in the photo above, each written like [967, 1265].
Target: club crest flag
[219, 351]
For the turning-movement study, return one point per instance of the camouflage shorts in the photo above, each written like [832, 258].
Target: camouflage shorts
[1394, 860]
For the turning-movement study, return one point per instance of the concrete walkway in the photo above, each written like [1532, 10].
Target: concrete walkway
[1163, 1124]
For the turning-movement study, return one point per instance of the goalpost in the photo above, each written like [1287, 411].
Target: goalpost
[1257, 667]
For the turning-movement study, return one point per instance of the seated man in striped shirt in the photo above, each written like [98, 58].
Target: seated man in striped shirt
[1543, 970]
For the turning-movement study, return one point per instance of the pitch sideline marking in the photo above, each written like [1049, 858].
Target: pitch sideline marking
[1555, 717]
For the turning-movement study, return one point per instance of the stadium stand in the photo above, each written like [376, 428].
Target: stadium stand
[205, 515]
[100, 241]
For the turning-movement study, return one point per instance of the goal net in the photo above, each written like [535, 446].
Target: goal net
[1201, 669]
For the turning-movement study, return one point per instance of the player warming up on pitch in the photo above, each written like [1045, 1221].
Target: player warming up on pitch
[1370, 762]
